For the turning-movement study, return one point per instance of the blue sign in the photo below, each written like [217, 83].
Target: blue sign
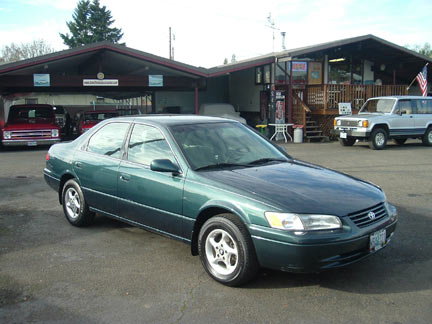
[155, 80]
[41, 80]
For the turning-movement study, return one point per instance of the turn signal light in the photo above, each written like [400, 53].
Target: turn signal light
[47, 157]
[365, 123]
[334, 122]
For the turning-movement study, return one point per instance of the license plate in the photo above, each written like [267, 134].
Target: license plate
[343, 135]
[31, 143]
[377, 240]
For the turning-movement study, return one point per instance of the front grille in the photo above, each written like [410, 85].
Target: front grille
[362, 219]
[22, 134]
[347, 122]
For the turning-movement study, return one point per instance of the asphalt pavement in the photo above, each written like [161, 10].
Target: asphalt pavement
[51, 272]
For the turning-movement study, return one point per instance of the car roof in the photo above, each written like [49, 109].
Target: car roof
[98, 111]
[402, 97]
[172, 120]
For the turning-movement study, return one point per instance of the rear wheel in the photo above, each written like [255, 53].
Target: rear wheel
[347, 141]
[399, 141]
[378, 139]
[226, 250]
[74, 205]
[427, 137]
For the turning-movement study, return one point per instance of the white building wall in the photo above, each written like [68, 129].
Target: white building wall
[244, 94]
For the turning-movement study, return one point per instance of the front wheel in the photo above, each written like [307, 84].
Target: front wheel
[226, 250]
[378, 139]
[74, 205]
[427, 137]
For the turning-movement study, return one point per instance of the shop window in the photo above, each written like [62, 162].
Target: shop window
[339, 71]
[357, 72]
[259, 75]
[282, 73]
[267, 74]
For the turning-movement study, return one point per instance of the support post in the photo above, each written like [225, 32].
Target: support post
[196, 101]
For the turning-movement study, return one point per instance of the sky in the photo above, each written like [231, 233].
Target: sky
[207, 32]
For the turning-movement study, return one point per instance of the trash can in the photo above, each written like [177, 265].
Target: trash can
[298, 133]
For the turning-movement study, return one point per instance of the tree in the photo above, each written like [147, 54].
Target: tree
[90, 23]
[225, 61]
[425, 50]
[16, 52]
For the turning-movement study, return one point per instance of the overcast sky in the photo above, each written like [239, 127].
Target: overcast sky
[208, 31]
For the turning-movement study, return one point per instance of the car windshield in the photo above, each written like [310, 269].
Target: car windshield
[30, 114]
[59, 110]
[378, 106]
[214, 145]
[99, 116]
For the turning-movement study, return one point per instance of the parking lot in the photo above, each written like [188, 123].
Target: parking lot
[51, 272]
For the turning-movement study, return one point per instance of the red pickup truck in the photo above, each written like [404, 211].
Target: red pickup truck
[30, 125]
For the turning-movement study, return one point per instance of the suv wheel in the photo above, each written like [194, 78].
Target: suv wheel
[347, 141]
[226, 250]
[427, 137]
[400, 141]
[378, 139]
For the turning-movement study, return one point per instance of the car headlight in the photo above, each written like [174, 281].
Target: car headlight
[54, 133]
[392, 211]
[337, 122]
[363, 123]
[302, 222]
[7, 135]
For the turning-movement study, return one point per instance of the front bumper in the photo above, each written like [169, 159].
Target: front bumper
[356, 132]
[30, 142]
[308, 258]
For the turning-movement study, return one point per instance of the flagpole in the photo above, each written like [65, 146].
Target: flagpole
[415, 79]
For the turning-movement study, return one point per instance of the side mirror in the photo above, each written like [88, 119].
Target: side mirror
[403, 112]
[164, 165]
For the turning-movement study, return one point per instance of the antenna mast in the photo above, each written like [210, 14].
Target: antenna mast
[271, 25]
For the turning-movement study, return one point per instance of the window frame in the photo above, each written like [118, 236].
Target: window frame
[129, 135]
[122, 148]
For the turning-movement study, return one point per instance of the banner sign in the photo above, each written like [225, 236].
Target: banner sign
[155, 80]
[299, 66]
[100, 83]
[41, 80]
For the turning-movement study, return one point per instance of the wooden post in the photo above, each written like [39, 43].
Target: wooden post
[324, 87]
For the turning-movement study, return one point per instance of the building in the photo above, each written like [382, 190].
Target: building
[299, 85]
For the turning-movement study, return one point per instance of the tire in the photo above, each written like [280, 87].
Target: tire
[75, 207]
[399, 141]
[347, 141]
[226, 250]
[378, 139]
[427, 137]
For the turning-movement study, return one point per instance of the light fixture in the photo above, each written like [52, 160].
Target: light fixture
[341, 59]
[382, 67]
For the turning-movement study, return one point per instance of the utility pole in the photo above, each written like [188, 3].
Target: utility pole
[271, 25]
[171, 47]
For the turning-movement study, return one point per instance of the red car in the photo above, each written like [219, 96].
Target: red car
[90, 118]
[30, 125]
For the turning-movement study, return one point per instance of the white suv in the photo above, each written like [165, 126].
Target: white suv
[382, 118]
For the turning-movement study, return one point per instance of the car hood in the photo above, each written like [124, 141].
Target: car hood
[360, 116]
[26, 126]
[300, 187]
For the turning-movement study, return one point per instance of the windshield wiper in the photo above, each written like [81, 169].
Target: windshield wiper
[221, 165]
[267, 160]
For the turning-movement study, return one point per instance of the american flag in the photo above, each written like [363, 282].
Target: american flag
[422, 80]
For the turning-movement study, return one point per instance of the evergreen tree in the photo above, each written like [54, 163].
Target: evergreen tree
[90, 23]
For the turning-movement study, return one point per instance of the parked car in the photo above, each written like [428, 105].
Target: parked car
[238, 200]
[88, 119]
[221, 110]
[30, 125]
[383, 118]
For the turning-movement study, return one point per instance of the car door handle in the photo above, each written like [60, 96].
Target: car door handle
[124, 177]
[411, 116]
[78, 164]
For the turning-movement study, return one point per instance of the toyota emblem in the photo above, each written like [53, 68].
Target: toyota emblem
[371, 215]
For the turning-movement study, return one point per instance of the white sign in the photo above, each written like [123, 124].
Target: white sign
[100, 83]
[344, 108]
[155, 80]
